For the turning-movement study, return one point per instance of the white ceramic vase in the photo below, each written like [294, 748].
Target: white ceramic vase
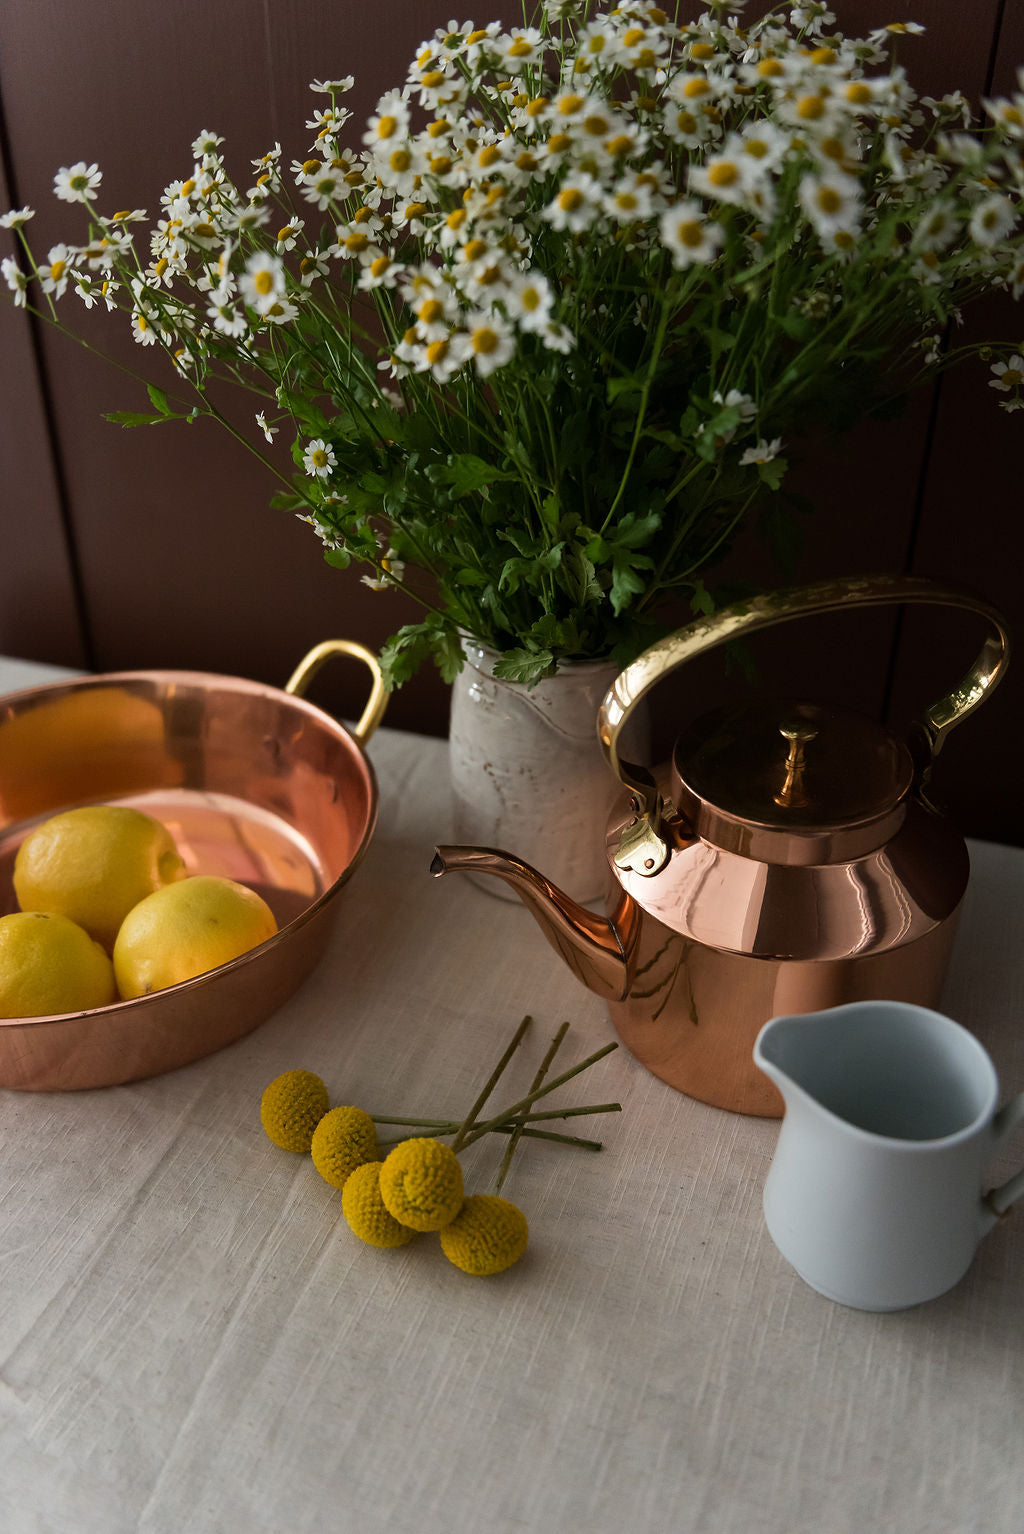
[528, 773]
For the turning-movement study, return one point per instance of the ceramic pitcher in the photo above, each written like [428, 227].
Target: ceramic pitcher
[875, 1191]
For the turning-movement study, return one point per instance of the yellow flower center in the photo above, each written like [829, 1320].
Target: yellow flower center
[810, 108]
[695, 88]
[456, 218]
[437, 351]
[724, 173]
[57, 270]
[440, 164]
[568, 106]
[318, 458]
[380, 266]
[558, 143]
[473, 250]
[536, 106]
[285, 233]
[437, 127]
[489, 155]
[833, 148]
[431, 311]
[690, 233]
[620, 145]
[477, 36]
[263, 282]
[686, 122]
[485, 340]
[526, 161]
[769, 68]
[357, 241]
[570, 199]
[432, 79]
[520, 49]
[1014, 377]
[387, 127]
[530, 299]
[702, 51]
[828, 199]
[161, 266]
[634, 37]
[756, 148]
[843, 238]
[627, 201]
[823, 55]
[400, 161]
[142, 322]
[310, 167]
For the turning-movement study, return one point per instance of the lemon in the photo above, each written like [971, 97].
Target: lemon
[93, 864]
[185, 929]
[49, 965]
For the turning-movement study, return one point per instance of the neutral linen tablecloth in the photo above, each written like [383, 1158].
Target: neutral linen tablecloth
[192, 1341]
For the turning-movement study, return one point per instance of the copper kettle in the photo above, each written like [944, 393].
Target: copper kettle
[785, 860]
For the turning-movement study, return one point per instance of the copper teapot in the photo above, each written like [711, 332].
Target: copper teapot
[785, 860]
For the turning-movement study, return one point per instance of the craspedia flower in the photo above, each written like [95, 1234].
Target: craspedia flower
[421, 1184]
[363, 1208]
[291, 1108]
[488, 1236]
[344, 1139]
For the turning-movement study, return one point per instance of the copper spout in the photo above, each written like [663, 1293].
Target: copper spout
[596, 949]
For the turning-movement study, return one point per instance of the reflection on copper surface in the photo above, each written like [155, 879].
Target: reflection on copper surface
[254, 784]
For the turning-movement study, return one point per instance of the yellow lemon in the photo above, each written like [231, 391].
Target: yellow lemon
[49, 965]
[186, 929]
[93, 864]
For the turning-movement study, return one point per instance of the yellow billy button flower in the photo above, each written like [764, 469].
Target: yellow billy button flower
[344, 1139]
[364, 1209]
[291, 1108]
[487, 1236]
[421, 1184]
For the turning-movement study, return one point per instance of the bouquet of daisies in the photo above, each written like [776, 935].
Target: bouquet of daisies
[543, 332]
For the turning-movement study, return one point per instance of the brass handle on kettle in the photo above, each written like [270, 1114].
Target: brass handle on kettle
[310, 664]
[643, 848]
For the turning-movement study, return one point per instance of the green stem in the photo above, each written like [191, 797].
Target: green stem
[526, 1102]
[488, 1088]
[520, 1123]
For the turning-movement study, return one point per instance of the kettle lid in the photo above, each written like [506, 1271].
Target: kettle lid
[788, 767]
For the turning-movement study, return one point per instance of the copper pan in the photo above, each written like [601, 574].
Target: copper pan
[253, 782]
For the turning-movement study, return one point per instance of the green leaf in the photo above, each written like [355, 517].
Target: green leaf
[338, 559]
[465, 474]
[773, 472]
[524, 665]
[158, 399]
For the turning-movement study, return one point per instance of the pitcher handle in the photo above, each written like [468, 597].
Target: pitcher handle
[998, 1200]
[646, 851]
[308, 667]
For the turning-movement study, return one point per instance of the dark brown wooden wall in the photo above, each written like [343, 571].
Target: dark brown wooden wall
[157, 547]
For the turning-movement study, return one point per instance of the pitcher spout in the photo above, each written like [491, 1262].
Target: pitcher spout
[597, 949]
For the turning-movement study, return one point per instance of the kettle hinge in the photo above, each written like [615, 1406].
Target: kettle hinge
[641, 849]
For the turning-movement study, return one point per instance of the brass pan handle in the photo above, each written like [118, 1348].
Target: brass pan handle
[308, 667]
[646, 852]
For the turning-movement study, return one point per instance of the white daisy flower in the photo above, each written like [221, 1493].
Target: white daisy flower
[16, 281]
[263, 282]
[577, 204]
[735, 399]
[54, 272]
[764, 452]
[205, 143]
[1009, 375]
[389, 124]
[992, 220]
[832, 202]
[16, 218]
[323, 186]
[270, 432]
[333, 87]
[528, 301]
[223, 316]
[77, 183]
[488, 341]
[319, 458]
[688, 235]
